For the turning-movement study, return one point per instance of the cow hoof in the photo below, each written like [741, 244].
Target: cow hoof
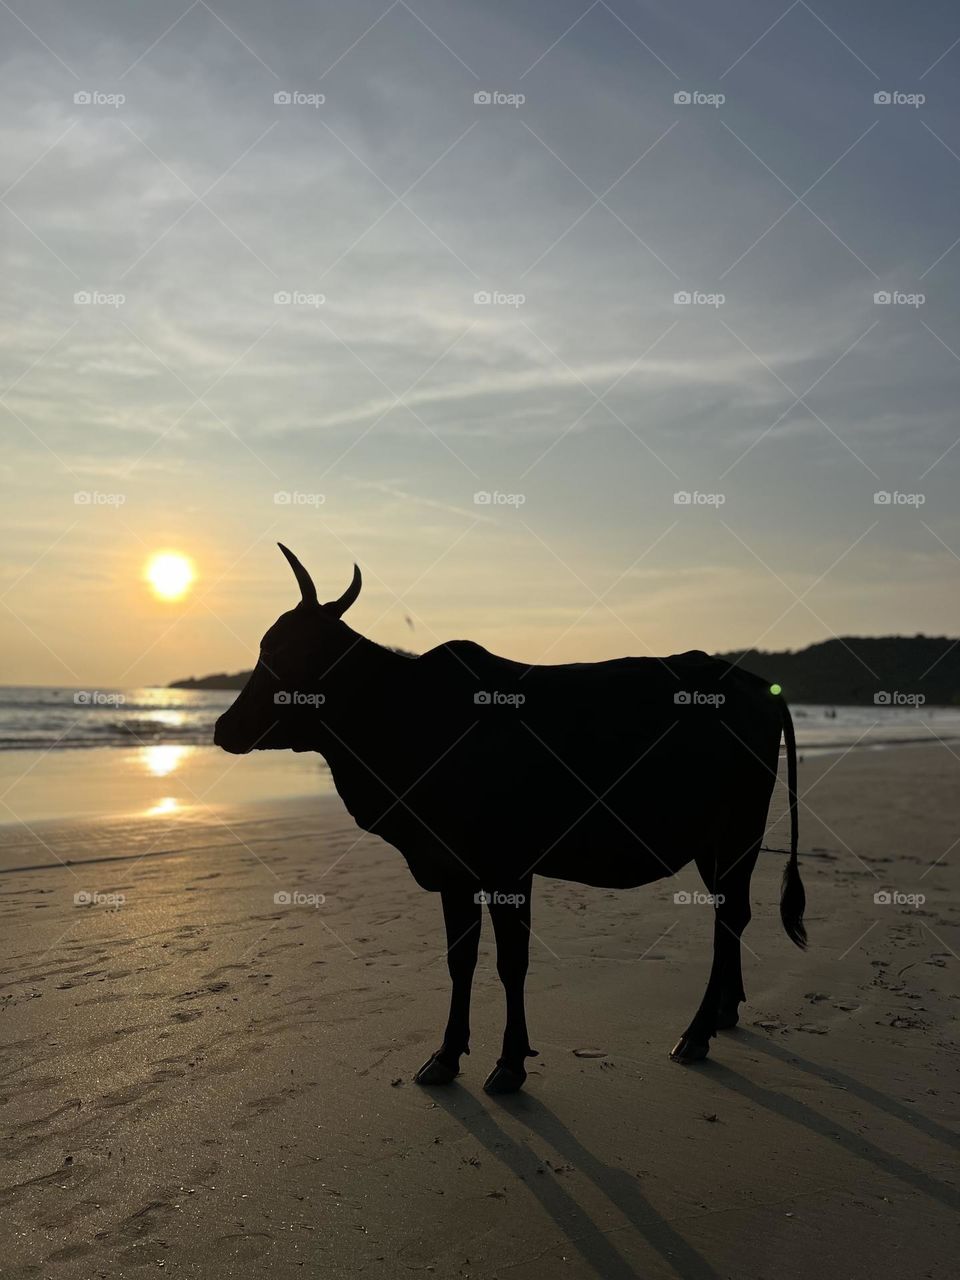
[687, 1050]
[503, 1079]
[435, 1071]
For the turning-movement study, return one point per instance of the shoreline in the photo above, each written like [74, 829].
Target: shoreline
[167, 838]
[172, 781]
[319, 807]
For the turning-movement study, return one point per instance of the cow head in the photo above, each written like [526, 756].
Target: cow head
[281, 707]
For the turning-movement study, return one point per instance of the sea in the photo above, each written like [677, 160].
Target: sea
[45, 718]
[68, 753]
[58, 718]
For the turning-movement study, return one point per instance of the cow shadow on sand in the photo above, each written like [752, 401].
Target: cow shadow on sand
[592, 1241]
[825, 1125]
[560, 1201]
[840, 1079]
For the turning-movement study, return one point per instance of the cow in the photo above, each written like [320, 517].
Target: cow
[484, 772]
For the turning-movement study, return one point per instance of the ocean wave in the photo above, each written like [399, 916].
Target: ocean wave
[78, 742]
[51, 718]
[117, 734]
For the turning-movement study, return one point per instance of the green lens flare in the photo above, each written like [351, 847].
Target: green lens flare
[775, 688]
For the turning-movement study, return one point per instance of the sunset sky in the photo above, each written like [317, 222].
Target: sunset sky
[185, 409]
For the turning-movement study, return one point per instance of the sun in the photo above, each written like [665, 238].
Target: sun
[170, 575]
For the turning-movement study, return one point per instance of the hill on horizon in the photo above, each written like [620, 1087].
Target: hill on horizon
[846, 671]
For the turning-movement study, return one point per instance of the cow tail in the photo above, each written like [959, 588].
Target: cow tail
[793, 899]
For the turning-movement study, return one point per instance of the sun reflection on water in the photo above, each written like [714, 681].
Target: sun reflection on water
[164, 758]
[164, 807]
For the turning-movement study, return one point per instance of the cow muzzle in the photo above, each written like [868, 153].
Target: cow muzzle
[229, 736]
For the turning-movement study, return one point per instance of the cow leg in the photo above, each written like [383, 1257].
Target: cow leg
[461, 917]
[735, 887]
[729, 881]
[510, 912]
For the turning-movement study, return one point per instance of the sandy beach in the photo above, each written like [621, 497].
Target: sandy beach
[201, 1080]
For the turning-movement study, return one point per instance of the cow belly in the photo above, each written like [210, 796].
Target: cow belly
[612, 869]
[600, 851]
[604, 852]
[609, 865]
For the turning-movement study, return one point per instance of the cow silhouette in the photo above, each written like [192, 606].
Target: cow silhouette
[485, 772]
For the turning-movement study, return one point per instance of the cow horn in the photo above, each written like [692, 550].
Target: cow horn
[308, 591]
[340, 607]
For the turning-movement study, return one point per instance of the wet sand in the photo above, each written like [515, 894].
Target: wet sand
[200, 1080]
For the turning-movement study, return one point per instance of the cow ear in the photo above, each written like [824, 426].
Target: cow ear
[340, 607]
[308, 592]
